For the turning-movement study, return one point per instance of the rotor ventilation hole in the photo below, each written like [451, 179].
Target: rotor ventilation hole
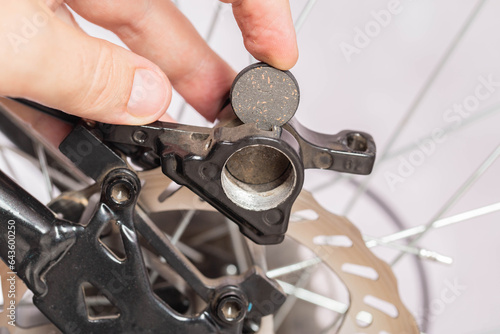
[333, 240]
[364, 319]
[304, 215]
[383, 306]
[361, 271]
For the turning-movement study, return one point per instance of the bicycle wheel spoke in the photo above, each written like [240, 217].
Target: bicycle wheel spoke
[182, 226]
[54, 174]
[336, 179]
[278, 272]
[213, 23]
[238, 246]
[291, 300]
[314, 298]
[304, 15]
[446, 130]
[455, 197]
[424, 254]
[42, 158]
[416, 103]
[190, 252]
[207, 236]
[461, 217]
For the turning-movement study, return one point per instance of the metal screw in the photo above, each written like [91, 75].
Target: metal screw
[140, 137]
[120, 193]
[273, 217]
[323, 160]
[231, 309]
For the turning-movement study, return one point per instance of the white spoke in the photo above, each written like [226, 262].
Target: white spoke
[182, 226]
[42, 158]
[304, 15]
[446, 130]
[190, 252]
[314, 298]
[278, 272]
[238, 246]
[290, 302]
[416, 103]
[213, 23]
[456, 196]
[211, 234]
[338, 177]
[461, 217]
[54, 174]
[424, 254]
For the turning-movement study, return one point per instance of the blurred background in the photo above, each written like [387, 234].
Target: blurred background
[423, 77]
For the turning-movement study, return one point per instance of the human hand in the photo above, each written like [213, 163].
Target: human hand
[45, 57]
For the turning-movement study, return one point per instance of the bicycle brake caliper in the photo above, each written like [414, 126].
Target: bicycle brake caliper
[250, 168]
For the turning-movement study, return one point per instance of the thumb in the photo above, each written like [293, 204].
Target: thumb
[45, 60]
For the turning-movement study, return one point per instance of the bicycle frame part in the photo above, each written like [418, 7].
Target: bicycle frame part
[55, 258]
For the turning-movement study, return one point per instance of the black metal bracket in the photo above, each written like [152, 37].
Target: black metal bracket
[48, 246]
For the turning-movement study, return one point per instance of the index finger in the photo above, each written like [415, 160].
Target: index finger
[268, 30]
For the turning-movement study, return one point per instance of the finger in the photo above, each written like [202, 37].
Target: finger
[157, 30]
[48, 61]
[48, 129]
[268, 30]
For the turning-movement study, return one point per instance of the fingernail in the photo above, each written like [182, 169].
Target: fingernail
[149, 94]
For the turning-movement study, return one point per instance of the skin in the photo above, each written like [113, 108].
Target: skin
[60, 66]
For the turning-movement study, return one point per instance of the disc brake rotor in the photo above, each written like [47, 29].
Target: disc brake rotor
[375, 304]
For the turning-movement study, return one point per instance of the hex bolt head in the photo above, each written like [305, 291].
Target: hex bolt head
[120, 193]
[121, 187]
[231, 309]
